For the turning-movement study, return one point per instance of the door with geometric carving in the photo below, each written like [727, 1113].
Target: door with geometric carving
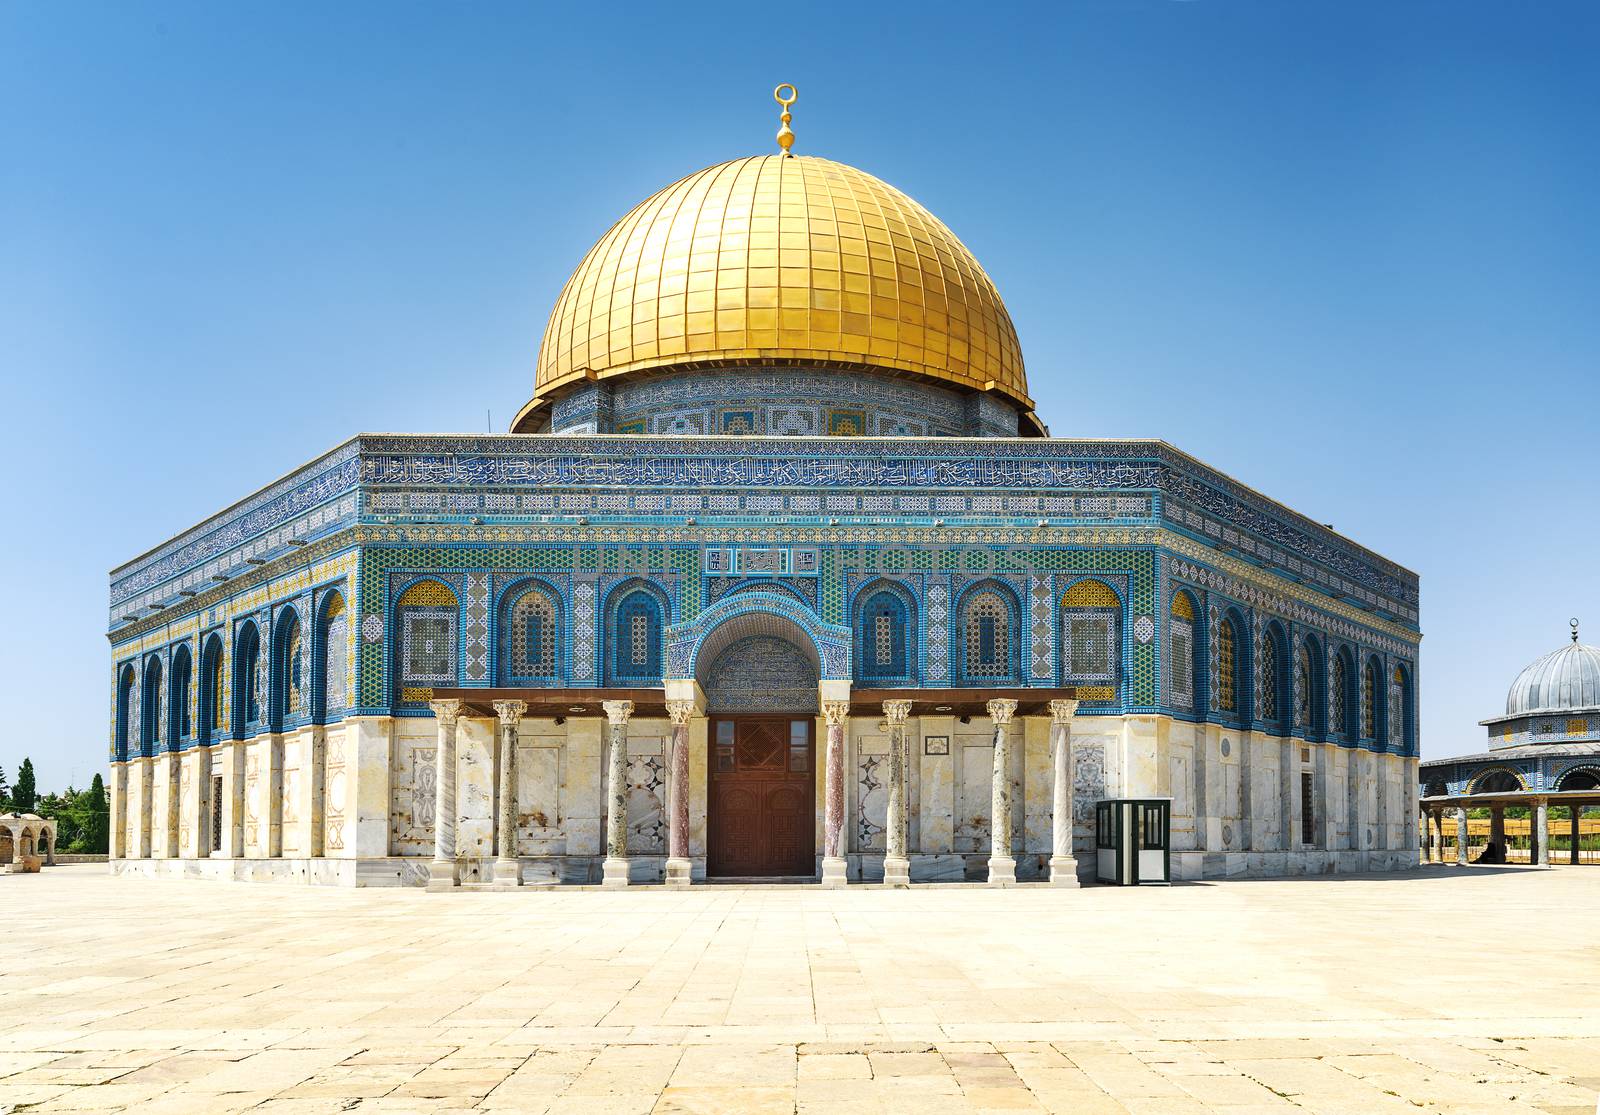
[761, 816]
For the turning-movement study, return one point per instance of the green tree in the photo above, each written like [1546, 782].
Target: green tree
[5, 792]
[24, 796]
[95, 827]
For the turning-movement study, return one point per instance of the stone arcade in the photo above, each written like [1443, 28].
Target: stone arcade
[776, 575]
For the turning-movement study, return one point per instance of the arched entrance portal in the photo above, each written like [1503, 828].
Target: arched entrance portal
[759, 673]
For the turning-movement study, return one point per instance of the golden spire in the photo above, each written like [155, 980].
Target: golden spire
[785, 135]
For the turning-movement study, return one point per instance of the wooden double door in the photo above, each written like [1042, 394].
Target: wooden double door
[762, 802]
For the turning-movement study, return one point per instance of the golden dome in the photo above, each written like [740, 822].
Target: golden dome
[780, 260]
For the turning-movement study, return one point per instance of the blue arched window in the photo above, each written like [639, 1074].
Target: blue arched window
[989, 635]
[124, 711]
[530, 636]
[883, 628]
[150, 707]
[1402, 712]
[1342, 697]
[247, 679]
[1309, 681]
[330, 694]
[1273, 699]
[1233, 666]
[179, 696]
[636, 639]
[211, 702]
[288, 669]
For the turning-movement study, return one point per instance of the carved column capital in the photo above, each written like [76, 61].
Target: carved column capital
[1062, 711]
[1002, 709]
[680, 711]
[447, 711]
[617, 711]
[836, 712]
[510, 712]
[896, 712]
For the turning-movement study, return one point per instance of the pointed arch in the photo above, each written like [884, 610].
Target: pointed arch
[884, 632]
[330, 655]
[532, 634]
[1273, 695]
[1310, 681]
[1233, 665]
[427, 615]
[150, 706]
[212, 700]
[1342, 715]
[1185, 664]
[247, 708]
[635, 612]
[180, 693]
[1372, 694]
[287, 687]
[124, 729]
[1091, 634]
[990, 617]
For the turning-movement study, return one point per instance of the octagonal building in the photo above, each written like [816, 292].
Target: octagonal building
[777, 575]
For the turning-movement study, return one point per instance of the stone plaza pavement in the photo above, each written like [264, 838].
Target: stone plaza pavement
[1445, 989]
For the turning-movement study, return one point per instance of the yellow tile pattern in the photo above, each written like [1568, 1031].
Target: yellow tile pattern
[1090, 594]
[773, 259]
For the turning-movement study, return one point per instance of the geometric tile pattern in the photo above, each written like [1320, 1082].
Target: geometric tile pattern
[475, 628]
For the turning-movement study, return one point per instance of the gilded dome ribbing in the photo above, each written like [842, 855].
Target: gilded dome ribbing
[776, 260]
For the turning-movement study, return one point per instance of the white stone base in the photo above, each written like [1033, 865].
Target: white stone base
[507, 873]
[614, 873]
[896, 872]
[1002, 871]
[835, 873]
[679, 873]
[1063, 871]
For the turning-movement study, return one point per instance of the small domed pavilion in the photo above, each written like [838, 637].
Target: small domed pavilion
[27, 840]
[1544, 751]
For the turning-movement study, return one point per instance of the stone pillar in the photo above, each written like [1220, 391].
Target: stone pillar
[1497, 830]
[315, 781]
[1577, 823]
[1002, 866]
[1063, 864]
[1540, 832]
[442, 871]
[232, 804]
[47, 838]
[1438, 835]
[507, 869]
[272, 787]
[834, 865]
[1461, 834]
[118, 785]
[896, 867]
[680, 870]
[145, 774]
[615, 871]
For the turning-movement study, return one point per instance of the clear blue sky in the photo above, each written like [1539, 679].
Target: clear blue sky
[1344, 251]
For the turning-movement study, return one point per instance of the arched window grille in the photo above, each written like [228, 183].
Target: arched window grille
[211, 696]
[151, 706]
[884, 624]
[180, 695]
[1339, 697]
[1369, 701]
[1269, 678]
[987, 642]
[636, 638]
[1227, 678]
[333, 639]
[288, 686]
[427, 613]
[1180, 651]
[1397, 709]
[1304, 685]
[247, 677]
[531, 640]
[124, 711]
[1091, 634]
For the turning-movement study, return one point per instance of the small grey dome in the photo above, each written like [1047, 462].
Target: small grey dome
[1565, 679]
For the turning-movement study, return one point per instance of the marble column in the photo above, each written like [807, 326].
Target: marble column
[1497, 831]
[1540, 833]
[896, 867]
[507, 869]
[1577, 822]
[680, 870]
[1002, 866]
[442, 871]
[1063, 865]
[615, 871]
[1438, 835]
[1461, 834]
[834, 866]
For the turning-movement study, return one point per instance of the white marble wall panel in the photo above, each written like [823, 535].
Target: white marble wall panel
[974, 760]
[335, 790]
[936, 791]
[475, 787]
[295, 841]
[582, 790]
[413, 779]
[870, 794]
[539, 778]
[647, 794]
